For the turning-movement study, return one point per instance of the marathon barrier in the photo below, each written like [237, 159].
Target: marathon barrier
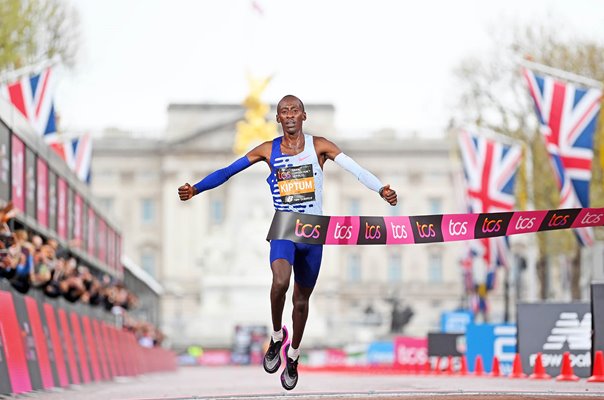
[550, 329]
[492, 341]
[597, 319]
[364, 230]
[564, 351]
[46, 344]
[410, 353]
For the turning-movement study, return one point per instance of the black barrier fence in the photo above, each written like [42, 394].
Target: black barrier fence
[552, 329]
[446, 344]
[597, 317]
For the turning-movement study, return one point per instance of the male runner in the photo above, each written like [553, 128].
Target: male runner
[296, 182]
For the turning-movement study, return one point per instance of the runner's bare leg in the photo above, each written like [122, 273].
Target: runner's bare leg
[300, 313]
[282, 271]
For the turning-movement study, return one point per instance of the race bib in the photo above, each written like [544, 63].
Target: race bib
[296, 184]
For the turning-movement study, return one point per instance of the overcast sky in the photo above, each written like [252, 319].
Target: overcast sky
[383, 64]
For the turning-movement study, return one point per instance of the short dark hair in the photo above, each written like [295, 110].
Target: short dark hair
[290, 96]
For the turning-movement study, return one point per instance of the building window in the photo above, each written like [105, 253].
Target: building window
[147, 176]
[435, 268]
[148, 208]
[106, 203]
[395, 268]
[435, 205]
[354, 207]
[415, 178]
[105, 175]
[148, 262]
[217, 211]
[354, 268]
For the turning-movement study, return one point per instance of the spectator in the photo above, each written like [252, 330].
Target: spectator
[92, 296]
[53, 288]
[37, 242]
[7, 270]
[72, 287]
[21, 257]
[8, 266]
[132, 301]
[6, 213]
[116, 297]
[41, 274]
[146, 337]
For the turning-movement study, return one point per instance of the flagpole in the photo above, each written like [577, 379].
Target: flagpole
[569, 76]
[532, 253]
[12, 76]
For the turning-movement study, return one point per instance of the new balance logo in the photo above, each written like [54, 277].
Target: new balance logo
[569, 329]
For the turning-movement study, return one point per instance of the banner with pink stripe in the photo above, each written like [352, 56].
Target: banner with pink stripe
[357, 230]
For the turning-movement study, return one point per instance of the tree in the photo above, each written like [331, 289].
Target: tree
[494, 95]
[32, 31]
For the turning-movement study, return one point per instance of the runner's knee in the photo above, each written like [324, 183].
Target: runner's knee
[300, 306]
[300, 302]
[280, 282]
[281, 276]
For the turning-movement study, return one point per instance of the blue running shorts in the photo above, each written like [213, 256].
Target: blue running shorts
[306, 259]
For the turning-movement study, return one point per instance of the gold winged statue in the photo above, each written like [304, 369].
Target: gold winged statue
[255, 128]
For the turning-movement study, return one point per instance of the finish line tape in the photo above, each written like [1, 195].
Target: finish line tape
[355, 230]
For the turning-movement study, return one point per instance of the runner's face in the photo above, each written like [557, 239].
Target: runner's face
[290, 115]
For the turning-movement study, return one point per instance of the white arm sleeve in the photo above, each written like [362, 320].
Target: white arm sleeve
[364, 176]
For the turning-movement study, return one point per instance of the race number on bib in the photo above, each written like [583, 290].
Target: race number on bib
[296, 184]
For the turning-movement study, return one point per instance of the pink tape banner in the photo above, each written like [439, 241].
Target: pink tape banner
[362, 230]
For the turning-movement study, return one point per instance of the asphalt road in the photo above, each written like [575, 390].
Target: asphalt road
[253, 383]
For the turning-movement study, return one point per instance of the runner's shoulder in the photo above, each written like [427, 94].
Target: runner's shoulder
[321, 141]
[262, 151]
[323, 144]
[268, 143]
[265, 146]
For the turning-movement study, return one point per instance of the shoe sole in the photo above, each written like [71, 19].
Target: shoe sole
[281, 358]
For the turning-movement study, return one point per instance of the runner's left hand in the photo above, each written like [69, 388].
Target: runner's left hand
[389, 195]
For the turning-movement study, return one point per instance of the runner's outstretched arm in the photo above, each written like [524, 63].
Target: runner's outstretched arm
[218, 177]
[330, 151]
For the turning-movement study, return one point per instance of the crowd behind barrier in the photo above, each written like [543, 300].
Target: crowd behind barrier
[51, 200]
[28, 261]
[64, 322]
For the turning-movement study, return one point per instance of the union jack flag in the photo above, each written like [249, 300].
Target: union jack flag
[567, 117]
[77, 153]
[490, 171]
[80, 156]
[33, 97]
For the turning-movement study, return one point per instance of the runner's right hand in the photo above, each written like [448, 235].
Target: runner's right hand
[186, 191]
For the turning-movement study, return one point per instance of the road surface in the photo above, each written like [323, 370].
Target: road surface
[253, 383]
